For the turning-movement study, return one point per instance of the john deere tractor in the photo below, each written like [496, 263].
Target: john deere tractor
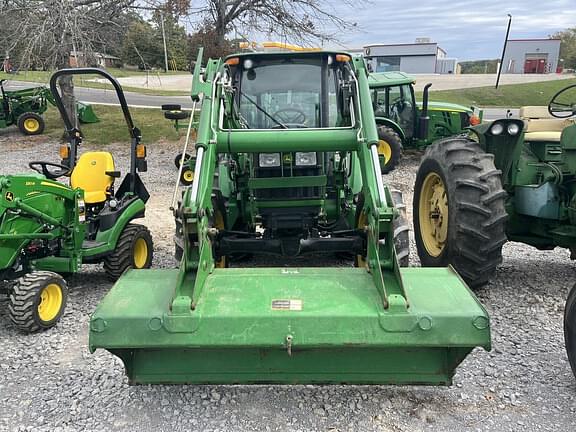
[24, 108]
[404, 123]
[48, 228]
[286, 165]
[513, 179]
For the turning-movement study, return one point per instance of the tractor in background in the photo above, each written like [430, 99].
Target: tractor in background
[516, 181]
[286, 166]
[25, 107]
[48, 228]
[404, 123]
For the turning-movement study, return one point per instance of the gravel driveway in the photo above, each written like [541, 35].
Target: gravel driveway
[50, 382]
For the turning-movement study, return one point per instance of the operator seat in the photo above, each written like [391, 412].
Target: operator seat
[94, 173]
[541, 126]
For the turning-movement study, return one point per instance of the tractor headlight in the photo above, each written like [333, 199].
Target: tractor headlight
[305, 158]
[497, 129]
[513, 128]
[269, 160]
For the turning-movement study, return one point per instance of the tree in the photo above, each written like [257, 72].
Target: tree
[567, 47]
[205, 37]
[303, 21]
[48, 31]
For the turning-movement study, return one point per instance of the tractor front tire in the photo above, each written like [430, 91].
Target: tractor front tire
[37, 301]
[389, 148]
[31, 123]
[134, 249]
[401, 230]
[459, 214]
[570, 328]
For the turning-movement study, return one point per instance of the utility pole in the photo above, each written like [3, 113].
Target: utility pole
[504, 50]
[164, 40]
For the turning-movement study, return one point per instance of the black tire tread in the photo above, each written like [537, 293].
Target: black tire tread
[570, 328]
[116, 263]
[38, 117]
[476, 213]
[23, 306]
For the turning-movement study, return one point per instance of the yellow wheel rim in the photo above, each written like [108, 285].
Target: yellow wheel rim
[31, 125]
[385, 150]
[433, 214]
[362, 222]
[188, 175]
[140, 253]
[50, 302]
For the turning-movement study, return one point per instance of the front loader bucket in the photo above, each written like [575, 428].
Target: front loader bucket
[290, 325]
[86, 114]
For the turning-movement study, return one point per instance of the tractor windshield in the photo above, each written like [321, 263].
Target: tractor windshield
[289, 93]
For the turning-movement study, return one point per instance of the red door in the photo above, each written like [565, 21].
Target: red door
[535, 66]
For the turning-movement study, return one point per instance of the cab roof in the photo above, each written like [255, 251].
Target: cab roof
[280, 54]
[386, 79]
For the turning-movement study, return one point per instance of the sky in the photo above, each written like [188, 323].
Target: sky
[467, 30]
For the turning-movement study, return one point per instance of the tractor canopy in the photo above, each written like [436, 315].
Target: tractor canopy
[286, 165]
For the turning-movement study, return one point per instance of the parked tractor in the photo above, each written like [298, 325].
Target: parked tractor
[48, 228]
[24, 108]
[287, 166]
[404, 123]
[512, 180]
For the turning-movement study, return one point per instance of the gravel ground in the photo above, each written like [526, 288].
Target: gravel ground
[50, 382]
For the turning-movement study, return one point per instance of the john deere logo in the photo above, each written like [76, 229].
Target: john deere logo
[9, 196]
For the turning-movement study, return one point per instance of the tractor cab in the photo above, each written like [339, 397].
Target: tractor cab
[404, 122]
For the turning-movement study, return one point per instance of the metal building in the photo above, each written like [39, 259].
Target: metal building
[422, 57]
[532, 56]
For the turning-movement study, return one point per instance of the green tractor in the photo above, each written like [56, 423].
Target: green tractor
[286, 167]
[513, 180]
[24, 108]
[404, 123]
[48, 228]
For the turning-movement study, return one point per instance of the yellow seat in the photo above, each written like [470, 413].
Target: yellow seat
[541, 125]
[89, 174]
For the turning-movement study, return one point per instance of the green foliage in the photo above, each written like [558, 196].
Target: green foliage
[479, 66]
[567, 47]
[143, 45]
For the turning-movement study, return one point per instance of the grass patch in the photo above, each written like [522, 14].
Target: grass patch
[112, 127]
[43, 77]
[509, 96]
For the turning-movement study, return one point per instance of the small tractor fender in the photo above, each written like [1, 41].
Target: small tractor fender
[133, 210]
[382, 121]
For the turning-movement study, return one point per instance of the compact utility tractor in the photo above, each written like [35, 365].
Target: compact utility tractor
[513, 179]
[47, 227]
[404, 123]
[24, 108]
[287, 165]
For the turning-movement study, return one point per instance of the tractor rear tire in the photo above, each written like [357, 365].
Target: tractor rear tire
[37, 301]
[134, 250]
[31, 123]
[389, 148]
[570, 328]
[459, 214]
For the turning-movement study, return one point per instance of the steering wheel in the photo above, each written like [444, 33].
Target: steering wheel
[561, 109]
[42, 168]
[292, 116]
